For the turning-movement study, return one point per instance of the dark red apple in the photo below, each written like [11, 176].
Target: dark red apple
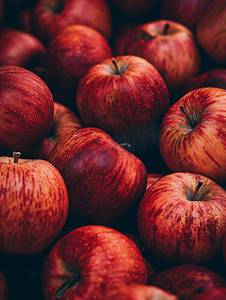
[89, 261]
[187, 279]
[19, 48]
[27, 108]
[103, 179]
[181, 218]
[49, 17]
[69, 55]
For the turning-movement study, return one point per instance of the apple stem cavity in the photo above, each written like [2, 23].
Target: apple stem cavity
[166, 28]
[197, 189]
[16, 156]
[116, 67]
[66, 286]
[192, 122]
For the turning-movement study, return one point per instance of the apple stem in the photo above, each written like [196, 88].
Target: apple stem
[16, 156]
[166, 28]
[192, 122]
[116, 67]
[197, 189]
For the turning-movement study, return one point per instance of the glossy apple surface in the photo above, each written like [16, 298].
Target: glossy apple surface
[19, 48]
[210, 31]
[194, 206]
[190, 131]
[170, 47]
[49, 17]
[34, 205]
[103, 179]
[186, 279]
[89, 261]
[64, 121]
[26, 113]
[69, 55]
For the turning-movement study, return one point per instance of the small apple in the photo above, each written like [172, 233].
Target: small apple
[49, 17]
[69, 55]
[19, 48]
[188, 279]
[210, 31]
[192, 134]
[195, 207]
[33, 203]
[103, 179]
[89, 261]
[185, 12]
[27, 108]
[138, 291]
[211, 78]
[170, 47]
[64, 121]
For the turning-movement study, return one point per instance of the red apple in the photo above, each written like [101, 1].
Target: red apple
[152, 178]
[27, 108]
[89, 261]
[185, 12]
[133, 8]
[170, 47]
[19, 48]
[49, 17]
[132, 97]
[103, 179]
[211, 78]
[33, 203]
[211, 29]
[188, 279]
[69, 55]
[3, 287]
[190, 131]
[64, 121]
[138, 291]
[195, 207]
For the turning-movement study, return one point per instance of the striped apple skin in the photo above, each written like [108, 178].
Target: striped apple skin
[33, 205]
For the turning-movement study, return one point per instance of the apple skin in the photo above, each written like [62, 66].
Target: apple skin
[152, 178]
[174, 54]
[49, 17]
[210, 31]
[103, 179]
[138, 291]
[19, 48]
[198, 220]
[215, 77]
[89, 261]
[69, 55]
[212, 293]
[27, 109]
[64, 121]
[192, 148]
[186, 279]
[185, 12]
[133, 99]
[34, 205]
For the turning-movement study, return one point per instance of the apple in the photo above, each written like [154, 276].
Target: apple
[64, 121]
[195, 207]
[215, 77]
[34, 204]
[185, 12]
[190, 131]
[132, 99]
[49, 17]
[103, 179]
[89, 261]
[19, 48]
[3, 287]
[69, 55]
[152, 178]
[138, 291]
[134, 8]
[210, 31]
[170, 47]
[27, 108]
[188, 279]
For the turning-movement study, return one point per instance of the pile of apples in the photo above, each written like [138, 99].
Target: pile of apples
[112, 149]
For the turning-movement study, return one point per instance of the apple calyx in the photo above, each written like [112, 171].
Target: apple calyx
[69, 283]
[190, 293]
[16, 156]
[192, 122]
